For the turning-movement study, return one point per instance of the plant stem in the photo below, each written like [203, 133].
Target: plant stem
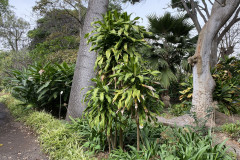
[60, 107]
[121, 138]
[115, 138]
[138, 130]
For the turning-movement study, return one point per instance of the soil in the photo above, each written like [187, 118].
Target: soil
[17, 142]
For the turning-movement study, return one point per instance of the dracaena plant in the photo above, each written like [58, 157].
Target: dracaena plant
[135, 89]
[116, 40]
[121, 83]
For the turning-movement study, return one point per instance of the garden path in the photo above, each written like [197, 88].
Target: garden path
[17, 142]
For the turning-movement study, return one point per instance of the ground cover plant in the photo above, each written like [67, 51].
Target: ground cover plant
[233, 129]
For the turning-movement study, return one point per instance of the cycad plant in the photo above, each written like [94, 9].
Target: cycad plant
[122, 84]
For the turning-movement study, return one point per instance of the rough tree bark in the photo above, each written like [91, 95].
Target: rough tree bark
[85, 61]
[203, 83]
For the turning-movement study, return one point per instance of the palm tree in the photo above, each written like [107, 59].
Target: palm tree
[171, 43]
[171, 46]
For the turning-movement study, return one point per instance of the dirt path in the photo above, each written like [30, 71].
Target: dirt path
[16, 141]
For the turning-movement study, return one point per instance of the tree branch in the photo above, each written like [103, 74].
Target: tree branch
[210, 2]
[72, 16]
[66, 1]
[226, 29]
[206, 8]
[201, 14]
[192, 16]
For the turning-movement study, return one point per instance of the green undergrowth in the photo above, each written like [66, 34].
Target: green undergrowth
[233, 129]
[78, 141]
[57, 140]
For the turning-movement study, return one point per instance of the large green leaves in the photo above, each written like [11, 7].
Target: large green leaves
[41, 85]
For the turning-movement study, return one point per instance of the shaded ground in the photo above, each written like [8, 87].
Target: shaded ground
[17, 142]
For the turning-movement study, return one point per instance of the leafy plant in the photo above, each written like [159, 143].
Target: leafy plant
[188, 89]
[93, 141]
[176, 144]
[227, 90]
[121, 84]
[41, 86]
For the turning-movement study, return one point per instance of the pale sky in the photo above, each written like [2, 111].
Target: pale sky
[23, 8]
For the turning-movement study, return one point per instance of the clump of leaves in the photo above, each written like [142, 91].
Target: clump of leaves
[188, 89]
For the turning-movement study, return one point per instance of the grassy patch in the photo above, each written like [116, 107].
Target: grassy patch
[56, 138]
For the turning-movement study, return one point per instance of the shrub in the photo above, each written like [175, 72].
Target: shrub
[122, 84]
[227, 90]
[40, 86]
[176, 144]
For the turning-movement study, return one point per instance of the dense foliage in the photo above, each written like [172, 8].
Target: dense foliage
[227, 90]
[40, 86]
[122, 84]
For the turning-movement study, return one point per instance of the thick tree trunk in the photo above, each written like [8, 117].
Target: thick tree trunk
[203, 83]
[214, 51]
[85, 61]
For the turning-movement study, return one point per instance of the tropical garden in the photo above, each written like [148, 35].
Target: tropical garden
[93, 83]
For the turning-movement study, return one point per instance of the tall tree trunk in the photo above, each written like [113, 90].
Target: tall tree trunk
[85, 61]
[203, 83]
[214, 51]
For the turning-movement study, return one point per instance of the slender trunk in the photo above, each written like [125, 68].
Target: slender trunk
[138, 135]
[203, 83]
[121, 138]
[16, 45]
[115, 138]
[85, 61]
[109, 144]
[138, 130]
[112, 139]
